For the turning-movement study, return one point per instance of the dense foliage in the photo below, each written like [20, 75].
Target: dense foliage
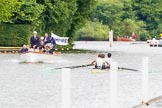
[150, 12]
[14, 34]
[63, 17]
[93, 31]
[7, 9]
[78, 19]
[144, 17]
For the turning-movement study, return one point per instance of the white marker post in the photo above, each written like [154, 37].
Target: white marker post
[113, 85]
[111, 38]
[66, 88]
[145, 80]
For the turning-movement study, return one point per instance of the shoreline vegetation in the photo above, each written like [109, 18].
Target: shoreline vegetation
[95, 18]
[15, 50]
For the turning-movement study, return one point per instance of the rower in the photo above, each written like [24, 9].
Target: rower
[100, 62]
[108, 59]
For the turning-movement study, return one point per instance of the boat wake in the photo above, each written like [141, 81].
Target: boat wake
[41, 58]
[58, 61]
[12, 61]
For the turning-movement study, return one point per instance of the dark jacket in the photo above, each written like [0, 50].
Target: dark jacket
[24, 50]
[50, 39]
[34, 41]
[47, 40]
[53, 41]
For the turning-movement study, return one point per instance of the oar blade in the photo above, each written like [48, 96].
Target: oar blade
[127, 69]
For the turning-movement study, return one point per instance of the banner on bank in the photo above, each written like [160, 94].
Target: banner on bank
[60, 40]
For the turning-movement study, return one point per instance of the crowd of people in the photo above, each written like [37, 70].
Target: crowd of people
[47, 45]
[44, 44]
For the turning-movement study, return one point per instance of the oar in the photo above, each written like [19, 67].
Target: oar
[127, 69]
[153, 100]
[79, 66]
[72, 67]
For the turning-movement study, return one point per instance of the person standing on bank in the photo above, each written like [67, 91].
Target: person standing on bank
[34, 40]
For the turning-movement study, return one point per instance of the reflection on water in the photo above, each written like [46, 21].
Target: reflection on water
[30, 85]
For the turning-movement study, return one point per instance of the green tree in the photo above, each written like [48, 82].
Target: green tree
[128, 26]
[108, 12]
[57, 16]
[29, 13]
[93, 31]
[82, 14]
[150, 12]
[64, 17]
[7, 7]
[128, 12]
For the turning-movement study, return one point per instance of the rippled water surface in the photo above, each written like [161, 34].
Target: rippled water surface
[37, 85]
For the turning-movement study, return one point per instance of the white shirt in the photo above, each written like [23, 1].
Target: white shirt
[109, 60]
[99, 62]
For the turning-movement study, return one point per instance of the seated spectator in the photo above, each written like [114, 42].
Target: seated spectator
[24, 49]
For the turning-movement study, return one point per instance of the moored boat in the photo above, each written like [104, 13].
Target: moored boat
[155, 43]
[34, 57]
[125, 39]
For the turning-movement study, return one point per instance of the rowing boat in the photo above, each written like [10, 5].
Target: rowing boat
[108, 69]
[99, 70]
[33, 57]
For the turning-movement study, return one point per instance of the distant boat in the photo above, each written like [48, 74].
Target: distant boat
[127, 39]
[155, 43]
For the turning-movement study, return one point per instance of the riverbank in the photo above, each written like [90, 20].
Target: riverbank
[13, 50]
[10, 49]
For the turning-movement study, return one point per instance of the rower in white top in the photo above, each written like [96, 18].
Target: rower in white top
[100, 62]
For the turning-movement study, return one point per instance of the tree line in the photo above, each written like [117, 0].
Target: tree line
[144, 17]
[84, 19]
[63, 17]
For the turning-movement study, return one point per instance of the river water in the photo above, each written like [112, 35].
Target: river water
[37, 85]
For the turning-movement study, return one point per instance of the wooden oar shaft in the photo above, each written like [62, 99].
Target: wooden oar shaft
[153, 100]
[127, 69]
[78, 66]
[72, 67]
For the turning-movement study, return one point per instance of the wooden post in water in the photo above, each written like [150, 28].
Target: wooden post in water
[145, 80]
[111, 38]
[66, 88]
[113, 85]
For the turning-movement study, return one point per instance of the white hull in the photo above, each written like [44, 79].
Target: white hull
[37, 57]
